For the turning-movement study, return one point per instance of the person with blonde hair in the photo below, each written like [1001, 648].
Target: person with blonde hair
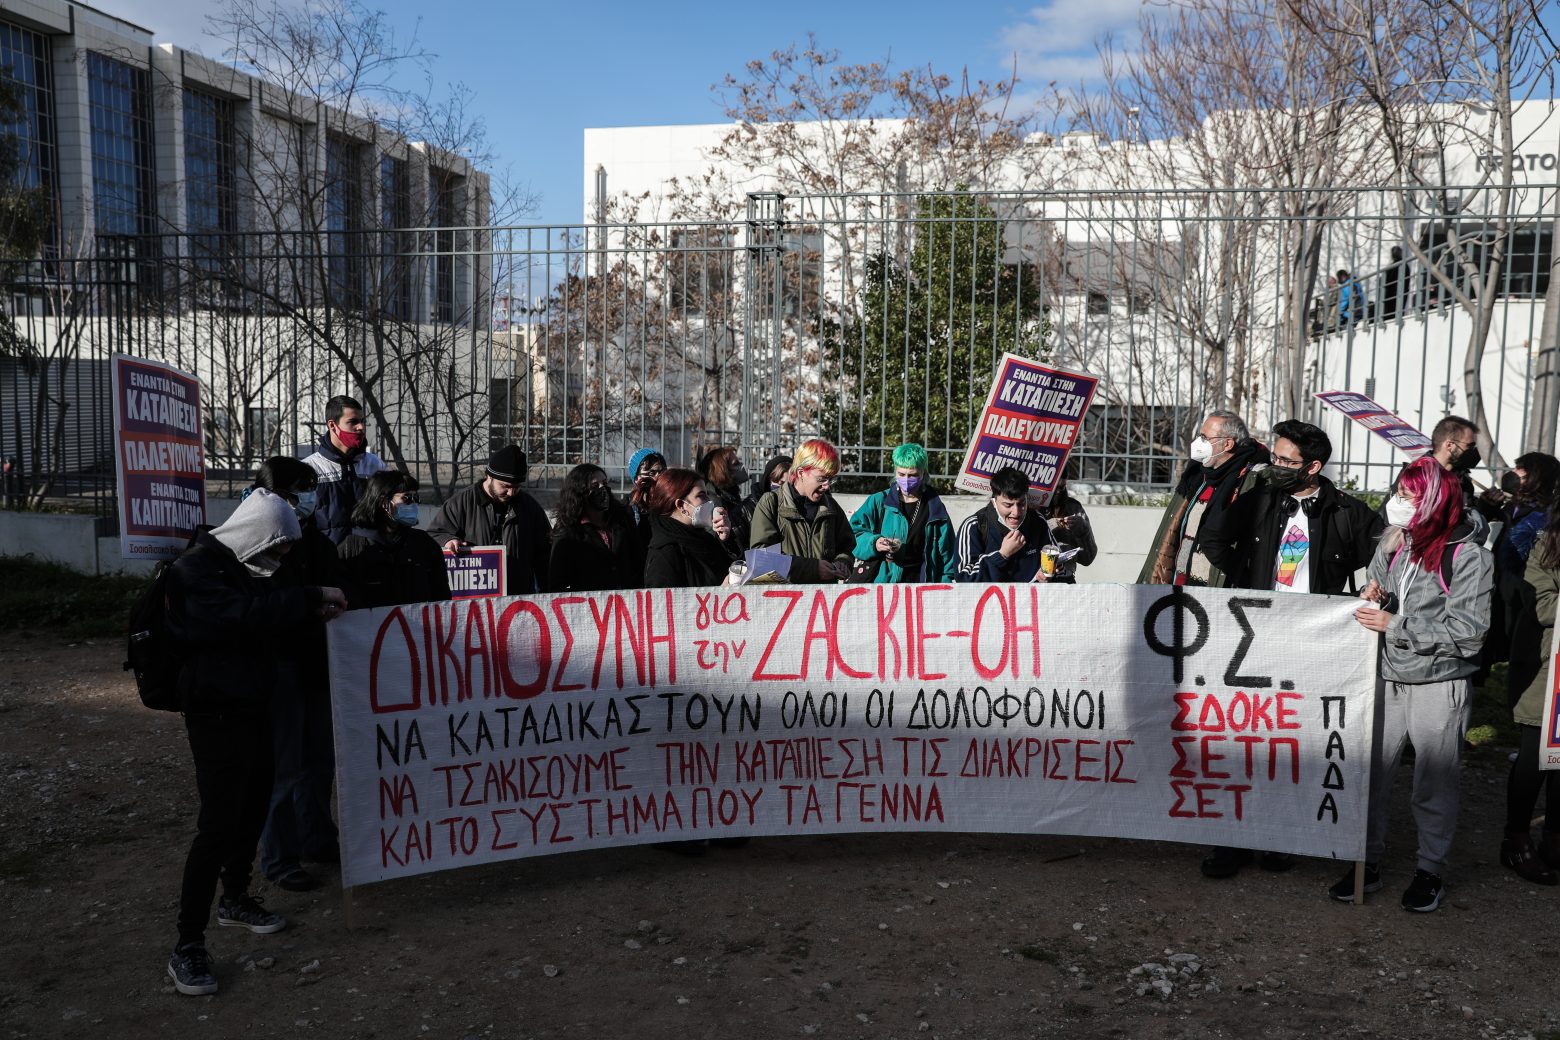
[803, 519]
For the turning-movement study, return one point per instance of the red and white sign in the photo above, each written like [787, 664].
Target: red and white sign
[492, 729]
[1377, 420]
[160, 464]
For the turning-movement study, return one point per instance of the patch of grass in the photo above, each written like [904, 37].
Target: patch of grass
[46, 596]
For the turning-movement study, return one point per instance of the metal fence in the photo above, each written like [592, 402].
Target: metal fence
[868, 319]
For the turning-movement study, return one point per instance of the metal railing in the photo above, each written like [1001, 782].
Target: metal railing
[868, 319]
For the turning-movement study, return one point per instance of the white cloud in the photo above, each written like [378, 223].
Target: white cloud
[181, 22]
[1056, 41]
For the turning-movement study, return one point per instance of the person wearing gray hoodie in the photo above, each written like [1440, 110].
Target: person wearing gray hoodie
[1429, 596]
[227, 618]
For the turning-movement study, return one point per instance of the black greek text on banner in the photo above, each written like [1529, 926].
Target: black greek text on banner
[490, 729]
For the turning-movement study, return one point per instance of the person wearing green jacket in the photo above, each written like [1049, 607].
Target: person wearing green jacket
[905, 530]
[804, 520]
[1517, 851]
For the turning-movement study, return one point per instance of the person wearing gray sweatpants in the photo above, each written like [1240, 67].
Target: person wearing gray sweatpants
[1433, 621]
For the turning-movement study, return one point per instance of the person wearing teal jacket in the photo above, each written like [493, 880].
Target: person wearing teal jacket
[906, 530]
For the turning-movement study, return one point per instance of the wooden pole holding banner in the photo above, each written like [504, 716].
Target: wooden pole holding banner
[1359, 882]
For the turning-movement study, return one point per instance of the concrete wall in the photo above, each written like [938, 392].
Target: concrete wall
[1123, 533]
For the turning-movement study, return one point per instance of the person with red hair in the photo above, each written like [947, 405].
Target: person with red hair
[686, 529]
[1429, 596]
[805, 521]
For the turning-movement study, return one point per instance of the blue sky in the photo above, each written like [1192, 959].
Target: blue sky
[542, 73]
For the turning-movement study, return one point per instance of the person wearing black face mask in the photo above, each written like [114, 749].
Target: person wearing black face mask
[595, 546]
[1294, 532]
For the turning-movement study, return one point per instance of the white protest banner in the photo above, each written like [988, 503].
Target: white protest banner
[160, 466]
[476, 571]
[1377, 420]
[490, 729]
[1030, 421]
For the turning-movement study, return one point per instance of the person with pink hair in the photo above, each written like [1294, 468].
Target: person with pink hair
[1428, 595]
[804, 520]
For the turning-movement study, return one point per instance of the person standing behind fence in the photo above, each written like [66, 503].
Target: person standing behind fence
[497, 511]
[1223, 466]
[805, 521]
[770, 479]
[298, 826]
[1294, 532]
[388, 561]
[229, 620]
[1351, 299]
[1429, 593]
[1517, 852]
[595, 547]
[344, 465]
[904, 533]
[722, 468]
[11, 482]
[686, 549]
[1002, 541]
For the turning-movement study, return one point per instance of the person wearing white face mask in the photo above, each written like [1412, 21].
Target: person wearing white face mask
[1223, 466]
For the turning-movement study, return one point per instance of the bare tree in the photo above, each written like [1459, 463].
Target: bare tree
[1434, 76]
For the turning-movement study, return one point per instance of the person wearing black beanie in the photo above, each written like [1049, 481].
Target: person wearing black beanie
[497, 511]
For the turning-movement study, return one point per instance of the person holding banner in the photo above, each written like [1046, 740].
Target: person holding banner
[388, 561]
[1003, 541]
[299, 826]
[1517, 851]
[904, 533]
[805, 521]
[686, 531]
[497, 511]
[1223, 465]
[595, 546]
[1429, 597]
[1069, 531]
[230, 617]
[1295, 532]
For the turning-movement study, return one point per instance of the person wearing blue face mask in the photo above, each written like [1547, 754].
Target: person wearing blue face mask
[388, 560]
[298, 826]
[904, 533]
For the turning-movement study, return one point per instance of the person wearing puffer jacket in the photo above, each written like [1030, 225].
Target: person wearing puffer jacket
[228, 617]
[1429, 597]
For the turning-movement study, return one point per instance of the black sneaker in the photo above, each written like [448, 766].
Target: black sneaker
[246, 912]
[190, 969]
[1343, 889]
[1225, 862]
[1424, 892]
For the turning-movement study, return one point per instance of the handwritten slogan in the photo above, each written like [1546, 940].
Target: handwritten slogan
[496, 728]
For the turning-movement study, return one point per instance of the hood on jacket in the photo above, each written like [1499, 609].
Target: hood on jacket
[261, 522]
[761, 478]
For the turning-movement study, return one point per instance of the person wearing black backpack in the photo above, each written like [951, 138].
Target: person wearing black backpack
[228, 619]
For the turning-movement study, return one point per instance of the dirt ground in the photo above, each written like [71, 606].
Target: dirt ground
[871, 936]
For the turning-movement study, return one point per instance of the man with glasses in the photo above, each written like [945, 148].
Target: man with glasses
[1222, 468]
[1295, 532]
[497, 511]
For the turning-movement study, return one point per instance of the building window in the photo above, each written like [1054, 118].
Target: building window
[26, 65]
[210, 178]
[396, 243]
[344, 218]
[446, 190]
[123, 172]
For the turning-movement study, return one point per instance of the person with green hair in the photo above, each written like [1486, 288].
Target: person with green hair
[904, 531]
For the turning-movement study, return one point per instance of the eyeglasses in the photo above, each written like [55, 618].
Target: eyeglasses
[1280, 461]
[600, 485]
[407, 497]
